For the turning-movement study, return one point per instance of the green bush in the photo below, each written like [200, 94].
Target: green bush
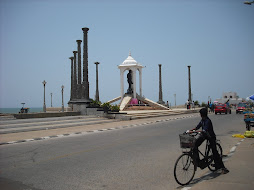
[203, 104]
[106, 106]
[196, 103]
[115, 108]
[95, 103]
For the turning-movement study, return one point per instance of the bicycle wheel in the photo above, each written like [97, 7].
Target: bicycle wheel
[211, 164]
[184, 170]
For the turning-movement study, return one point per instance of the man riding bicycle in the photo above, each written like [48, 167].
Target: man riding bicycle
[207, 133]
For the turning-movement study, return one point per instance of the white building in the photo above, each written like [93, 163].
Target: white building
[232, 97]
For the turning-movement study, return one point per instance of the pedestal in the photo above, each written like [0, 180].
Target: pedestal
[80, 105]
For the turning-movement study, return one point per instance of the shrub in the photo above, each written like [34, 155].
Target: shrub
[115, 108]
[95, 103]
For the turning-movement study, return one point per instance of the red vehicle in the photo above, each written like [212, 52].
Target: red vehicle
[222, 108]
[240, 107]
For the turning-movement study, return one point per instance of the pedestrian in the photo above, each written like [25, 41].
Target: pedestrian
[167, 105]
[193, 105]
[208, 133]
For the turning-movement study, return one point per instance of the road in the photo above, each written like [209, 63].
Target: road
[140, 157]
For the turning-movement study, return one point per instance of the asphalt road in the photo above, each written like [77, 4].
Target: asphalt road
[140, 157]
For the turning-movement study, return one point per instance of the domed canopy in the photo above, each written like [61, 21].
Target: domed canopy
[130, 62]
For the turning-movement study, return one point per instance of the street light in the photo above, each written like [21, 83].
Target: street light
[248, 2]
[44, 104]
[51, 98]
[23, 104]
[62, 98]
[175, 100]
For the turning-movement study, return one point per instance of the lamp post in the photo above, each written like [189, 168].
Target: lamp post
[62, 98]
[44, 103]
[51, 98]
[175, 100]
[23, 104]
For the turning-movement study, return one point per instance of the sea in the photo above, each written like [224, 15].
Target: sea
[17, 110]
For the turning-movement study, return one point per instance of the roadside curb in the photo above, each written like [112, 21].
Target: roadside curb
[94, 131]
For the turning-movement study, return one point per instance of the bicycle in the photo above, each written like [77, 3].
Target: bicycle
[186, 166]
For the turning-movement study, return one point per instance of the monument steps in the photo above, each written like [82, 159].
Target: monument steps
[46, 125]
[161, 113]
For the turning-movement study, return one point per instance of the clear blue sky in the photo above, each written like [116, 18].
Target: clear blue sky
[215, 37]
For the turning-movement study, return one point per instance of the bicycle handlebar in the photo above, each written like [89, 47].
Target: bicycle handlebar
[192, 132]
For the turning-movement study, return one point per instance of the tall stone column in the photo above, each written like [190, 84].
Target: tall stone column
[79, 86]
[190, 99]
[75, 75]
[85, 64]
[140, 82]
[72, 79]
[160, 87]
[134, 83]
[97, 98]
[79, 61]
[122, 83]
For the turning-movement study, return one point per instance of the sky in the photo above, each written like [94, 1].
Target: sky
[214, 37]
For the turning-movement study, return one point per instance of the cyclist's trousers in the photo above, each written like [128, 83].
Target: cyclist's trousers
[217, 159]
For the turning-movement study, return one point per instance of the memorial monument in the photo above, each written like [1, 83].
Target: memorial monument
[79, 99]
[131, 97]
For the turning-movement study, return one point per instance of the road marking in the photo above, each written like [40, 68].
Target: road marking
[186, 188]
[233, 149]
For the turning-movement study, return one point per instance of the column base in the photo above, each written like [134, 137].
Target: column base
[80, 105]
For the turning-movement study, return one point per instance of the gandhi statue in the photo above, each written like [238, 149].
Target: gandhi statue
[129, 80]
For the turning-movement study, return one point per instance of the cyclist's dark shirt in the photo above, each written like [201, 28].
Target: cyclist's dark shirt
[207, 126]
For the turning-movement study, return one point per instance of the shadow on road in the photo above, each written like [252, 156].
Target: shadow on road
[208, 176]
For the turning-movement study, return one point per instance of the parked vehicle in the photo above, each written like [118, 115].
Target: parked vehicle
[222, 108]
[240, 107]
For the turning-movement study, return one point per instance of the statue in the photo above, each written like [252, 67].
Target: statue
[129, 80]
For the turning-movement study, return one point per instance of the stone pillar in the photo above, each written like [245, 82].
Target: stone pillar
[122, 83]
[72, 79]
[79, 61]
[134, 83]
[160, 87]
[97, 98]
[190, 99]
[85, 65]
[75, 75]
[79, 86]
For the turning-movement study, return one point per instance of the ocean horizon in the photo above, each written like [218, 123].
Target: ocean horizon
[17, 110]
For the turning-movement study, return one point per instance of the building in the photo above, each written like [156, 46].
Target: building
[230, 97]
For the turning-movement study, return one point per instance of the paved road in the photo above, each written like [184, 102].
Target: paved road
[138, 157]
